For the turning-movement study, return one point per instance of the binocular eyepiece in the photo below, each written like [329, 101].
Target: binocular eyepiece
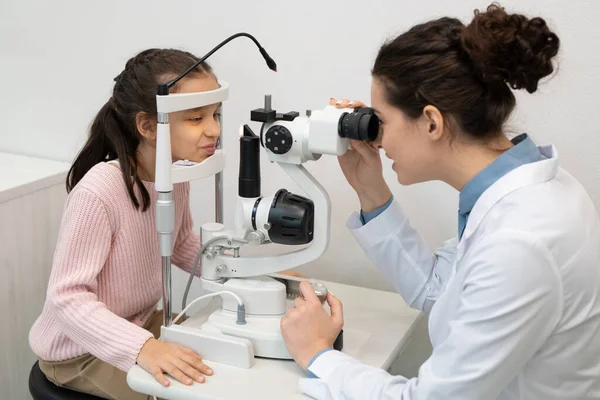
[362, 124]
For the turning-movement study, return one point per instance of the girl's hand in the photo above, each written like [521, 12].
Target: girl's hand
[181, 363]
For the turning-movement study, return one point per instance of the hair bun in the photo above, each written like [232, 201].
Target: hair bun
[510, 48]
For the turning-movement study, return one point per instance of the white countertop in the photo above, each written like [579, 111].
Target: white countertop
[20, 175]
[377, 325]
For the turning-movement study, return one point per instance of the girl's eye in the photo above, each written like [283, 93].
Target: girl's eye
[217, 115]
[198, 119]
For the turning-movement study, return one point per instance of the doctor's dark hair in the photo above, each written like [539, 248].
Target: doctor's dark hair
[113, 133]
[467, 72]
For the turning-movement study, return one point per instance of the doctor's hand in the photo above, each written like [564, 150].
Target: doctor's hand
[362, 167]
[308, 328]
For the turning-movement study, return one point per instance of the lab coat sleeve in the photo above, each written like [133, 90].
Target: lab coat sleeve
[84, 243]
[187, 245]
[511, 302]
[403, 257]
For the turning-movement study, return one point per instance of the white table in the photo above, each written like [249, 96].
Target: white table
[21, 175]
[377, 326]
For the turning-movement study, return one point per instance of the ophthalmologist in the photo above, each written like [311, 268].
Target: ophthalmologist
[514, 300]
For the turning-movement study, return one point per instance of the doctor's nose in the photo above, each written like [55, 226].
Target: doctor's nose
[377, 142]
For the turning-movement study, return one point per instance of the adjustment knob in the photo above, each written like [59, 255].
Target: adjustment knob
[255, 238]
[278, 139]
[320, 291]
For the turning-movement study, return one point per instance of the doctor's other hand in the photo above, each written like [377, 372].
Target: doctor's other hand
[181, 363]
[308, 328]
[362, 167]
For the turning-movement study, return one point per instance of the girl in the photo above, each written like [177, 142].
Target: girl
[514, 301]
[100, 316]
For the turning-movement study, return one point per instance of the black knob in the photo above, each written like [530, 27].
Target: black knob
[291, 218]
[279, 139]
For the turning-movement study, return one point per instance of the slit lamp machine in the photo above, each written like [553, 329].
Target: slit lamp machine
[247, 323]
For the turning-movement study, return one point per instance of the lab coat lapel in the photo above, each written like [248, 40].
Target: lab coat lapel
[525, 175]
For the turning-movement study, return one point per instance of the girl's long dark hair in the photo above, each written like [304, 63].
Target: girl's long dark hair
[114, 134]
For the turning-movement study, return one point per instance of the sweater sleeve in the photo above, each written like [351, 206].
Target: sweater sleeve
[84, 244]
[187, 244]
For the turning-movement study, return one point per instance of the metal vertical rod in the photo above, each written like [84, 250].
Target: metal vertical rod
[219, 180]
[219, 197]
[165, 213]
[167, 311]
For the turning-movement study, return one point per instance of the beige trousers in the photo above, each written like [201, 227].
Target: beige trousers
[91, 375]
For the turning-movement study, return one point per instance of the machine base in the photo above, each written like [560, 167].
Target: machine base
[213, 346]
[221, 340]
[218, 337]
[263, 332]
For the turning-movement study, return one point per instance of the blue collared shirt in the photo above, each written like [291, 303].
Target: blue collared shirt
[523, 152]
[365, 218]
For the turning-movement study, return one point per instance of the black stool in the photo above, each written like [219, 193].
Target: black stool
[42, 389]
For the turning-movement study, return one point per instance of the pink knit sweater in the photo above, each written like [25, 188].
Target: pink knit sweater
[106, 275]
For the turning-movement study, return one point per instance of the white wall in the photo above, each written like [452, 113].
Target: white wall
[58, 59]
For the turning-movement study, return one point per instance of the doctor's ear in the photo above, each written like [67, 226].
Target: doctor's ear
[434, 122]
[146, 126]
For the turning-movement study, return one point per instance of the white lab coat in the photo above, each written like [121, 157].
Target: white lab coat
[514, 306]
